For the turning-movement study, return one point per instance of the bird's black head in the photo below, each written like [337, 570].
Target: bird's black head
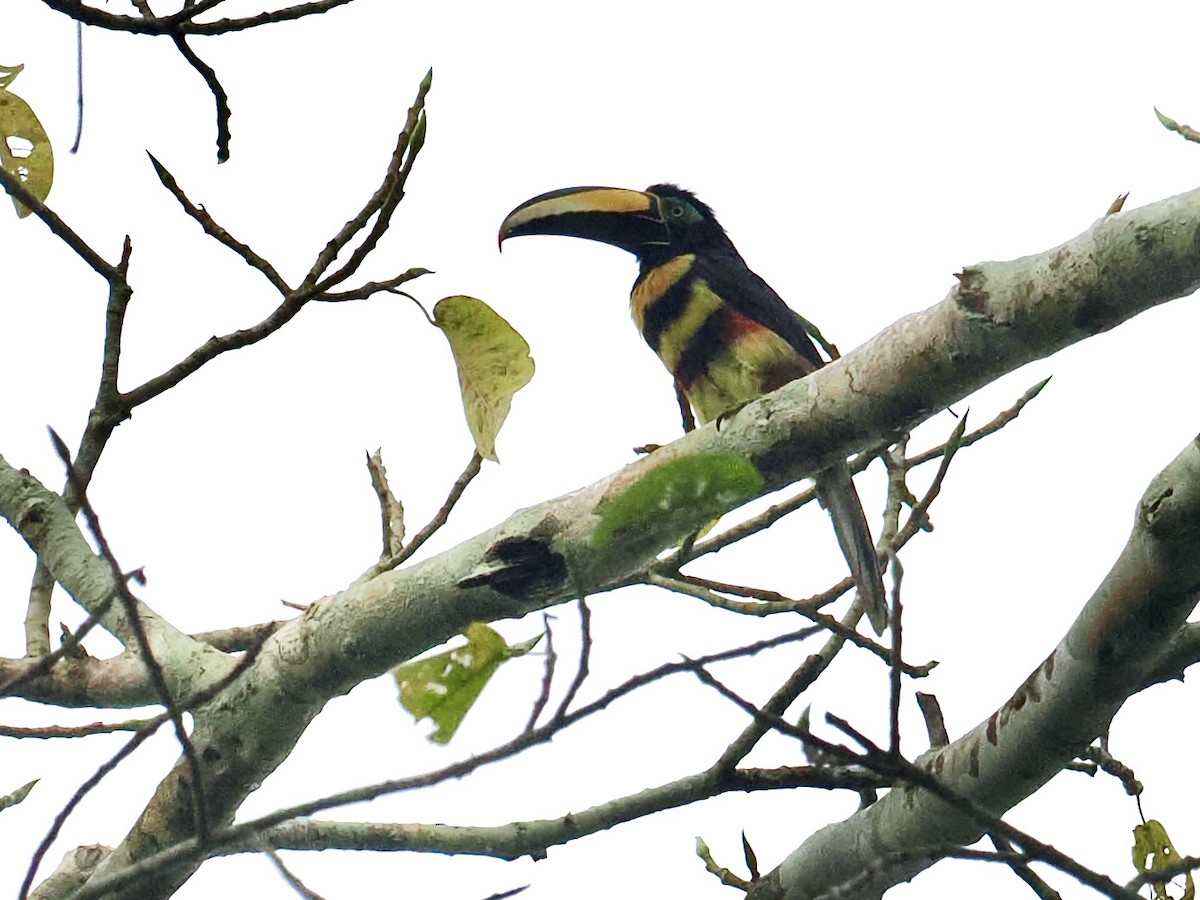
[655, 225]
[691, 226]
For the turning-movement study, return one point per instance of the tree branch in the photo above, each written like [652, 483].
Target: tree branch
[181, 22]
[999, 317]
[1104, 658]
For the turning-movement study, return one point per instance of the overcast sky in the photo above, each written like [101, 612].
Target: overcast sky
[858, 155]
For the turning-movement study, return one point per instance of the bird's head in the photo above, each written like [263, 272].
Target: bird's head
[654, 225]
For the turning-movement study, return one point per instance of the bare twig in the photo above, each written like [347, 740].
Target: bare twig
[547, 675]
[706, 589]
[439, 519]
[180, 22]
[252, 831]
[381, 204]
[391, 510]
[47, 732]
[209, 74]
[293, 882]
[153, 668]
[896, 624]
[371, 288]
[60, 229]
[60, 819]
[1001, 419]
[213, 230]
[935, 723]
[1021, 869]
[585, 655]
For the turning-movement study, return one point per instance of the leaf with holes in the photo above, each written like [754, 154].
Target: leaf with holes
[445, 687]
[1153, 852]
[24, 146]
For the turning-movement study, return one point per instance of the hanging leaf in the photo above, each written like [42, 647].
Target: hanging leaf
[24, 146]
[671, 497]
[493, 364]
[18, 795]
[444, 687]
[1153, 852]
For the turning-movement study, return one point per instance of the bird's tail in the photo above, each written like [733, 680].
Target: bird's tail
[835, 490]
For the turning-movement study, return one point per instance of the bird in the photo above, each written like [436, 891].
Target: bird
[722, 332]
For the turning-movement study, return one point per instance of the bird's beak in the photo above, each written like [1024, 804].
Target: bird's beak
[623, 218]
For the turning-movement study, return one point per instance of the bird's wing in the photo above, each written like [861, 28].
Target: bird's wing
[731, 280]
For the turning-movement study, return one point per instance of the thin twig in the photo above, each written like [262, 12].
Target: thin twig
[439, 519]
[1021, 869]
[991, 427]
[191, 849]
[896, 623]
[707, 590]
[371, 288]
[78, 87]
[383, 202]
[585, 655]
[179, 23]
[209, 74]
[48, 732]
[213, 230]
[153, 667]
[60, 229]
[547, 675]
[60, 819]
[293, 882]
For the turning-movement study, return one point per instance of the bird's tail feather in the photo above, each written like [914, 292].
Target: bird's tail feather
[835, 490]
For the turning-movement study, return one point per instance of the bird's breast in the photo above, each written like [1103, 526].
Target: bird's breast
[720, 357]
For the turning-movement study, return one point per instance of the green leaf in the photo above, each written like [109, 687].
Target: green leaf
[1153, 852]
[673, 497]
[493, 364]
[444, 687]
[18, 795]
[24, 147]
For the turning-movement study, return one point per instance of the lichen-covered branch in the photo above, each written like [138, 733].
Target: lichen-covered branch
[999, 317]
[1110, 652]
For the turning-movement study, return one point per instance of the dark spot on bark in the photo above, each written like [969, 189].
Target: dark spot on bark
[521, 566]
[971, 294]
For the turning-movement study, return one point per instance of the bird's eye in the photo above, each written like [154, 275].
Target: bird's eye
[676, 212]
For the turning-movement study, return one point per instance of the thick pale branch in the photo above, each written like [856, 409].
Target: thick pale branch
[42, 518]
[1112, 649]
[1000, 316]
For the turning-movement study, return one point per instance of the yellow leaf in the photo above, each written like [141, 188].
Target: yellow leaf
[24, 147]
[1152, 853]
[493, 364]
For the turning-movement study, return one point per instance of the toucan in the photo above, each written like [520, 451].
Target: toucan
[721, 331]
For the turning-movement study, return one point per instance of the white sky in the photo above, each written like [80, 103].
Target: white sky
[858, 154]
